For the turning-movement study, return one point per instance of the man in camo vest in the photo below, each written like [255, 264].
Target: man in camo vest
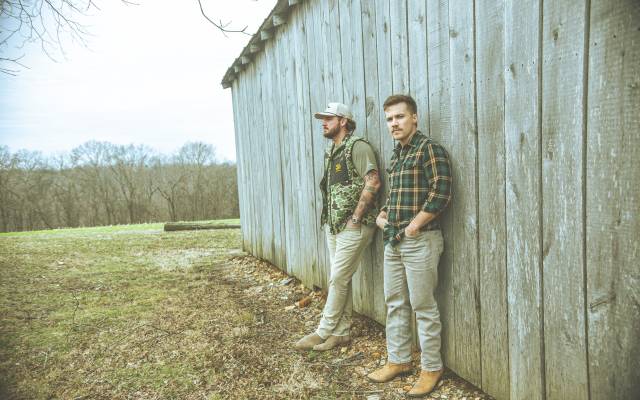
[349, 189]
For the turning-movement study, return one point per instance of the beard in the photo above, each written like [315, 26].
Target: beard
[331, 133]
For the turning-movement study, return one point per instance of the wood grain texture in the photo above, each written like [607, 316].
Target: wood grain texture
[240, 165]
[524, 199]
[613, 200]
[373, 132]
[385, 76]
[418, 73]
[463, 154]
[307, 190]
[489, 22]
[354, 95]
[318, 102]
[440, 129]
[563, 77]
[399, 46]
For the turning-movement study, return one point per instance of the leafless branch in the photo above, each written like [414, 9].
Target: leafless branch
[11, 71]
[50, 24]
[223, 27]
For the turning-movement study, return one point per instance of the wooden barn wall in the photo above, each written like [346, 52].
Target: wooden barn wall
[538, 103]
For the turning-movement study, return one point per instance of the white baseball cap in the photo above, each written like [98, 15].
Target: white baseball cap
[337, 110]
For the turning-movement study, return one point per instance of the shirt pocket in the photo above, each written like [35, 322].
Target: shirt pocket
[392, 166]
[391, 171]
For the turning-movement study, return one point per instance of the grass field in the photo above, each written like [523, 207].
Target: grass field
[133, 312]
[93, 312]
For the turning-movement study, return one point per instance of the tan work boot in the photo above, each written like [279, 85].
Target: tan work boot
[389, 371]
[307, 342]
[425, 384]
[331, 342]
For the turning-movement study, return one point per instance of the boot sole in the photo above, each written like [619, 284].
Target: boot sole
[417, 396]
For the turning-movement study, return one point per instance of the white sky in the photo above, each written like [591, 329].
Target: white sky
[151, 76]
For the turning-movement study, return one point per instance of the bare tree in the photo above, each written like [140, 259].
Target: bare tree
[128, 166]
[92, 160]
[52, 23]
[99, 183]
[48, 23]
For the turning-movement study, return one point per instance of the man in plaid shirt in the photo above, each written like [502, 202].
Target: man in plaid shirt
[419, 190]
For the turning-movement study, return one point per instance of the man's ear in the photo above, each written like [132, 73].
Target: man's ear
[343, 122]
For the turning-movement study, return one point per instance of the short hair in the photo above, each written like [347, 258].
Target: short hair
[351, 125]
[401, 98]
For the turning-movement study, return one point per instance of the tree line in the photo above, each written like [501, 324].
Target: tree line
[100, 183]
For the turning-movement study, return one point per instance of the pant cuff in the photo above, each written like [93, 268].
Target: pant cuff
[398, 361]
[322, 333]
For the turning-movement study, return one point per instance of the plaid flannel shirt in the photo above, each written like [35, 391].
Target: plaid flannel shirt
[419, 180]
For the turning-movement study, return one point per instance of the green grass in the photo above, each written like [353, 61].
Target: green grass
[112, 312]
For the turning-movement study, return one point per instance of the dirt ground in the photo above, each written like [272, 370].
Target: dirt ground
[133, 312]
[265, 292]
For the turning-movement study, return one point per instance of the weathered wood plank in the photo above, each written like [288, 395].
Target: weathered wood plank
[240, 165]
[271, 132]
[399, 48]
[373, 132]
[524, 198]
[253, 223]
[292, 138]
[318, 102]
[489, 22]
[332, 53]
[440, 128]
[288, 164]
[266, 164]
[308, 205]
[385, 77]
[613, 200]
[351, 48]
[418, 86]
[465, 223]
[563, 203]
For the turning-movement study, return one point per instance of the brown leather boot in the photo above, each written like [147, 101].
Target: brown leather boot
[425, 384]
[389, 371]
[307, 342]
[331, 342]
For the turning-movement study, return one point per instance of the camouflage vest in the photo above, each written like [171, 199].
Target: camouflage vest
[341, 187]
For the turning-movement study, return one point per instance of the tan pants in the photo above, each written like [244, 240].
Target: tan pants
[410, 279]
[345, 251]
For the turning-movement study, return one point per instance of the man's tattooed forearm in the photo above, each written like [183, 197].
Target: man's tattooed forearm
[372, 176]
[368, 195]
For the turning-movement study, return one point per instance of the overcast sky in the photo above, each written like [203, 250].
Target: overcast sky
[151, 76]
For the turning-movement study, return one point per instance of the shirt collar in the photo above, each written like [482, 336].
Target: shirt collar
[412, 143]
[334, 149]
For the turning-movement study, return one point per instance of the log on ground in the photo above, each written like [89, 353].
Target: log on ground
[191, 226]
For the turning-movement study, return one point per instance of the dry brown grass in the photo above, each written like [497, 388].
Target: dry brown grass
[138, 313]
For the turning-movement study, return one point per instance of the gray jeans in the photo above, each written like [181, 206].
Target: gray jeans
[410, 279]
[345, 250]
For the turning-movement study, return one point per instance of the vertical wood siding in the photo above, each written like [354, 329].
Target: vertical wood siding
[538, 104]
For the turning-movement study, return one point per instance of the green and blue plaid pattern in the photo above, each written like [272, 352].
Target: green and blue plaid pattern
[419, 180]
